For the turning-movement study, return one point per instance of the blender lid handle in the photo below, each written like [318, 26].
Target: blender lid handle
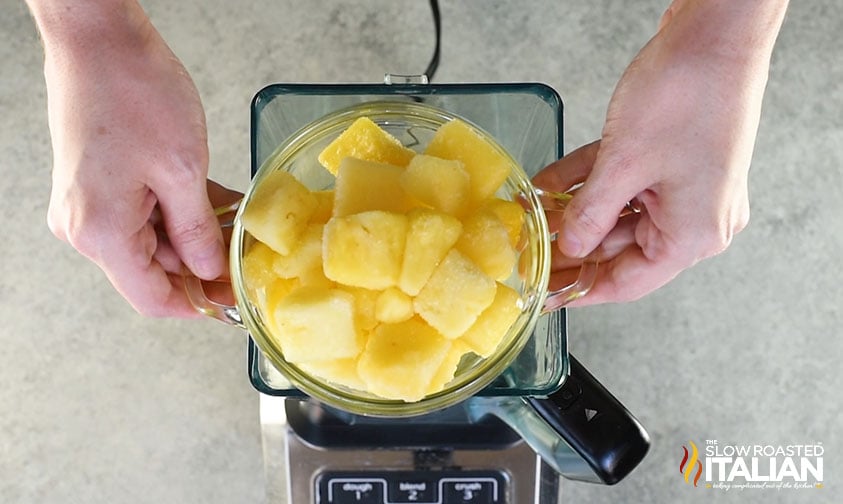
[581, 430]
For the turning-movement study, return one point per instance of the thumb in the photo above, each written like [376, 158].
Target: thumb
[192, 227]
[594, 210]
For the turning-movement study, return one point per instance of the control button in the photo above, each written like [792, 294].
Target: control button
[468, 490]
[412, 490]
[589, 414]
[355, 491]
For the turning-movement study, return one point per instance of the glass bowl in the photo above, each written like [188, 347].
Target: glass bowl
[413, 124]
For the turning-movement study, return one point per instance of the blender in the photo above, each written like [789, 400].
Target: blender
[545, 417]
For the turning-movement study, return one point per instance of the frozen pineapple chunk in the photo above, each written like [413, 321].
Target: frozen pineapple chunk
[304, 258]
[365, 249]
[317, 324]
[511, 215]
[457, 292]
[492, 325]
[448, 368]
[269, 297]
[400, 360]
[485, 240]
[439, 183]
[393, 306]
[364, 140]
[277, 291]
[339, 371]
[279, 211]
[429, 237]
[364, 306]
[367, 185]
[257, 266]
[324, 207]
[486, 166]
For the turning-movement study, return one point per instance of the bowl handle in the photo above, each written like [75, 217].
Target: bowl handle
[557, 202]
[196, 291]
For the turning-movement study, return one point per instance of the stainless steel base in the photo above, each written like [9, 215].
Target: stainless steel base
[292, 465]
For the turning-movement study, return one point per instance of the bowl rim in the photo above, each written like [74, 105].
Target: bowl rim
[481, 375]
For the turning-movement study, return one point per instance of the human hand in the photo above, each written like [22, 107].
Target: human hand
[677, 143]
[130, 189]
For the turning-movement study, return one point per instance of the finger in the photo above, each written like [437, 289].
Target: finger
[628, 277]
[131, 267]
[638, 269]
[191, 226]
[166, 255]
[594, 210]
[618, 239]
[562, 175]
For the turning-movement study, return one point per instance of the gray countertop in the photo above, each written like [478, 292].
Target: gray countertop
[101, 405]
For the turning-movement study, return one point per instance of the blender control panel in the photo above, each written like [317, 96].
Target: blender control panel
[411, 487]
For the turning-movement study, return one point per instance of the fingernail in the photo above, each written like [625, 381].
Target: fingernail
[571, 244]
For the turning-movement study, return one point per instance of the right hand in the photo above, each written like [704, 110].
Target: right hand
[678, 142]
[130, 189]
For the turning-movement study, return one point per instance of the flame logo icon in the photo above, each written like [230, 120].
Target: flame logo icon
[686, 467]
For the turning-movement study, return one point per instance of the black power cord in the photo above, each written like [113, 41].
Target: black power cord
[437, 24]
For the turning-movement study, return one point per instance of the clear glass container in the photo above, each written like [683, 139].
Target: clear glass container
[524, 119]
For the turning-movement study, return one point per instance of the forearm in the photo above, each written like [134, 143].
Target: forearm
[70, 28]
[735, 34]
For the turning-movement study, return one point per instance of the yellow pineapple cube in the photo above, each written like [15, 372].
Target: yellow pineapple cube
[492, 325]
[511, 215]
[257, 266]
[393, 306]
[365, 249]
[338, 371]
[449, 365]
[278, 211]
[304, 258]
[324, 206]
[442, 184]
[277, 291]
[429, 237]
[400, 360]
[487, 167]
[365, 301]
[367, 185]
[317, 324]
[365, 140]
[456, 293]
[485, 240]
[268, 298]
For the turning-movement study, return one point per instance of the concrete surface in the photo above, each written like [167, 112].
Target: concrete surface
[99, 405]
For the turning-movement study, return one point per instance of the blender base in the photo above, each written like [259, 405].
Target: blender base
[498, 470]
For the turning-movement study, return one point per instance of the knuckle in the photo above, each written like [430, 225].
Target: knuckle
[187, 167]
[56, 224]
[742, 220]
[84, 231]
[584, 217]
[716, 236]
[88, 234]
[194, 231]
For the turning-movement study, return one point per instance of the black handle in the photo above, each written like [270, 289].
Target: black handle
[609, 441]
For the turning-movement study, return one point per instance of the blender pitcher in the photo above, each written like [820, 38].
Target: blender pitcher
[544, 395]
